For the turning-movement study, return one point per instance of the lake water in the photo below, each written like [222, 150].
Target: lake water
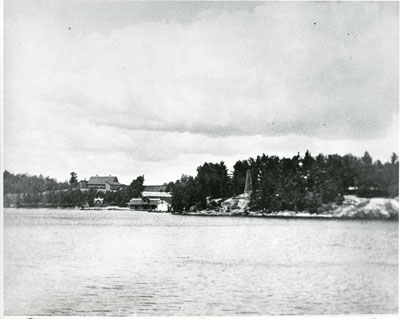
[119, 263]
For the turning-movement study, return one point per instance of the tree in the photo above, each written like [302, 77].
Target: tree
[239, 176]
[185, 194]
[213, 180]
[366, 159]
[74, 179]
[136, 187]
[394, 159]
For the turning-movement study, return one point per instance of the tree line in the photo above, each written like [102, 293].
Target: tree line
[297, 183]
[23, 190]
[24, 183]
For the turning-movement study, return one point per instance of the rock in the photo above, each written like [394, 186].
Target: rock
[303, 214]
[240, 202]
[357, 207]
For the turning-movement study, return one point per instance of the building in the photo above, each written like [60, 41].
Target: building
[83, 184]
[157, 191]
[155, 188]
[158, 195]
[101, 183]
[98, 202]
[154, 198]
[148, 204]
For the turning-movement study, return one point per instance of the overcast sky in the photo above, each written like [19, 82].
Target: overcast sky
[127, 88]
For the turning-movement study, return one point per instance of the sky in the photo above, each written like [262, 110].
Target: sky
[158, 88]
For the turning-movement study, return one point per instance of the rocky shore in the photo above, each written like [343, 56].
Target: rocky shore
[352, 208]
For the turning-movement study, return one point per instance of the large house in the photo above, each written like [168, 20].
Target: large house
[154, 198]
[101, 183]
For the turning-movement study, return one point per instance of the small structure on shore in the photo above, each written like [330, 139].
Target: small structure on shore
[148, 204]
[153, 198]
[98, 202]
[157, 192]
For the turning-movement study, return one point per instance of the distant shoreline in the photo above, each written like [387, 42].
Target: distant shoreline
[280, 215]
[295, 216]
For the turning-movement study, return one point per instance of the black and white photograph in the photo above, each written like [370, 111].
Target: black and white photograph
[200, 158]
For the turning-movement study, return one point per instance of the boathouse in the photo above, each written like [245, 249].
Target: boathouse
[157, 192]
[148, 204]
[154, 198]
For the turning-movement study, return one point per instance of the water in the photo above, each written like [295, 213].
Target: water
[105, 263]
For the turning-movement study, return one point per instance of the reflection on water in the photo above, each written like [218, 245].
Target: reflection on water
[105, 263]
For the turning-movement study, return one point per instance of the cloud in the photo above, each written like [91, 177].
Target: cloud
[269, 72]
[223, 84]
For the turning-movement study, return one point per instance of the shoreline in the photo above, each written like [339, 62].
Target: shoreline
[249, 215]
[352, 207]
[298, 216]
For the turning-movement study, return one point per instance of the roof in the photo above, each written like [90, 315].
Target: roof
[135, 201]
[113, 183]
[155, 188]
[156, 194]
[154, 201]
[103, 179]
[139, 201]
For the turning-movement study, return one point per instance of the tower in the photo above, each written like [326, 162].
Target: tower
[248, 185]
